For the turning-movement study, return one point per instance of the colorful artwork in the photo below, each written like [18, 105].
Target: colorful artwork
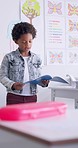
[73, 26]
[73, 10]
[54, 8]
[56, 22]
[73, 41]
[55, 57]
[31, 9]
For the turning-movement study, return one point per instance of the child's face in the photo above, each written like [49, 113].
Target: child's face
[25, 42]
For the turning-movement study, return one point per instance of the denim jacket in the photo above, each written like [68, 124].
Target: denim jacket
[12, 70]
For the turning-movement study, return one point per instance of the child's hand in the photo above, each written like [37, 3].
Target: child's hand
[17, 86]
[45, 82]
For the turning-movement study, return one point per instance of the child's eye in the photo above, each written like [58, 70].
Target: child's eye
[24, 42]
[30, 41]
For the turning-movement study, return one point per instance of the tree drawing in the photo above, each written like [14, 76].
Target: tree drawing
[31, 9]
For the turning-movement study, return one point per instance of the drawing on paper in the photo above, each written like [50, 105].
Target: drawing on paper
[55, 57]
[54, 8]
[72, 10]
[73, 57]
[31, 9]
[73, 26]
[73, 41]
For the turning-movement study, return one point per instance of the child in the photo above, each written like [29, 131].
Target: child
[20, 66]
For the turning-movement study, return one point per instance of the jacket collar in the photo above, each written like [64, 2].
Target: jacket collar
[18, 52]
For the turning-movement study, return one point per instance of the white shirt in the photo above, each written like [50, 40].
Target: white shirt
[26, 87]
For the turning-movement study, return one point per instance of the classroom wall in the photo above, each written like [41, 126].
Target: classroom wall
[10, 11]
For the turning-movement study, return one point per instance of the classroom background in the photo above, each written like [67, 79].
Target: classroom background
[56, 43]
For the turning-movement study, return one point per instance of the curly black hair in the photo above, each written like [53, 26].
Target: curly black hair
[23, 28]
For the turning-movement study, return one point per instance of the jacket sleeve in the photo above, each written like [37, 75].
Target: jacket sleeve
[4, 69]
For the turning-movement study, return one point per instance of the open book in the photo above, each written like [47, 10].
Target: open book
[47, 77]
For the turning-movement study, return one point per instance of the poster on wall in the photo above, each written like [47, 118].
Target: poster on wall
[56, 22]
[55, 31]
[55, 56]
[72, 31]
[32, 12]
